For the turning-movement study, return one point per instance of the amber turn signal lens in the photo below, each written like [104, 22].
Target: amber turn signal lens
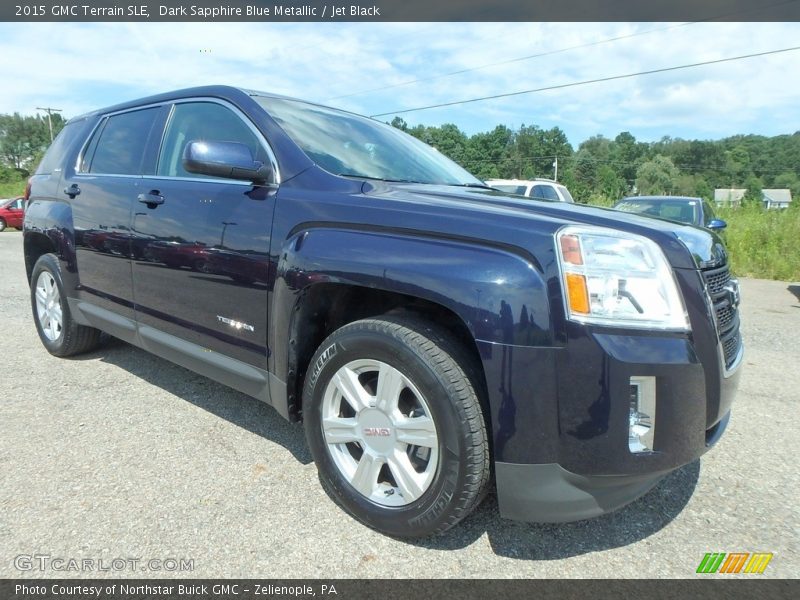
[578, 293]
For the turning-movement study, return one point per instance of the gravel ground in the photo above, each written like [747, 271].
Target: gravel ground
[118, 454]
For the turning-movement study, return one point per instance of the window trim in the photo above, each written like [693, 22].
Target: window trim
[236, 111]
[101, 123]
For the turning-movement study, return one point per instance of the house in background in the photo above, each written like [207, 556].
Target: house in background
[729, 197]
[772, 198]
[777, 198]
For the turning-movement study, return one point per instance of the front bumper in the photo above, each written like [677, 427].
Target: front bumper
[560, 419]
[548, 493]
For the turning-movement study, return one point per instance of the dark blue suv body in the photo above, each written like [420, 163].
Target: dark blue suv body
[431, 333]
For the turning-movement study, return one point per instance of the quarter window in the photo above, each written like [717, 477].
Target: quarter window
[118, 146]
[203, 121]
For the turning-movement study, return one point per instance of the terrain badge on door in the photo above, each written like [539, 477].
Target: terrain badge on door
[235, 324]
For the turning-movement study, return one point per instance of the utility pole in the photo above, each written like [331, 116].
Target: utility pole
[555, 165]
[50, 112]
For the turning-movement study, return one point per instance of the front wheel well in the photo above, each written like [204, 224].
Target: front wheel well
[324, 308]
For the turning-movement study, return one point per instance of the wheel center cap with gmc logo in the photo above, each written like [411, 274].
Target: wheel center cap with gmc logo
[376, 430]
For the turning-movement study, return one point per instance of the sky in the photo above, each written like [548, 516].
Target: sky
[367, 68]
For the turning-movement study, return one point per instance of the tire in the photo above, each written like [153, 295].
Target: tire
[412, 459]
[59, 332]
[2, 225]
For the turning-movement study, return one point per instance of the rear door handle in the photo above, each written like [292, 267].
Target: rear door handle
[152, 199]
[72, 190]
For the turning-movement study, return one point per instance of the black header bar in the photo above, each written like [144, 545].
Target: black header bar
[400, 10]
[404, 589]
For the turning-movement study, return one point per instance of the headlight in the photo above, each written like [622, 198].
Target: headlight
[618, 279]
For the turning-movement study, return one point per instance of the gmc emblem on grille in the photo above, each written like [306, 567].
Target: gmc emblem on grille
[377, 432]
[732, 291]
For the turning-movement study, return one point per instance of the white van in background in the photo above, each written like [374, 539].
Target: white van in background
[545, 189]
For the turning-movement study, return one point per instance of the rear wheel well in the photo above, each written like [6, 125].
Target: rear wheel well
[324, 308]
[36, 245]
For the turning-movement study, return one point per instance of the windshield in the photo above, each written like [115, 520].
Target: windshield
[676, 211]
[347, 144]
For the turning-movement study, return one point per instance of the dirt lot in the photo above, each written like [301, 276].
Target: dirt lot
[119, 455]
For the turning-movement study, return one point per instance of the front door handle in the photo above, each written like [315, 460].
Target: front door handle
[72, 191]
[152, 199]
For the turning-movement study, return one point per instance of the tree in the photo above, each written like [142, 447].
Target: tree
[399, 123]
[487, 154]
[23, 138]
[792, 182]
[754, 195]
[656, 176]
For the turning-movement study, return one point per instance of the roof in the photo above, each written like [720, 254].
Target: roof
[729, 195]
[735, 195]
[780, 196]
[225, 92]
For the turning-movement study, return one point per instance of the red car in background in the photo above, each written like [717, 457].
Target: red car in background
[12, 212]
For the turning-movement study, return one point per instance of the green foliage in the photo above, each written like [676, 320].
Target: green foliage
[753, 196]
[12, 189]
[656, 177]
[23, 139]
[763, 243]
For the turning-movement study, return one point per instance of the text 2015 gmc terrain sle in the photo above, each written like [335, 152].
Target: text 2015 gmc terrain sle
[433, 334]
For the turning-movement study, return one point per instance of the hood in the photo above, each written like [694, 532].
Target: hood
[686, 246]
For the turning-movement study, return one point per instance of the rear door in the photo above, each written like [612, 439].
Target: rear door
[201, 282]
[102, 189]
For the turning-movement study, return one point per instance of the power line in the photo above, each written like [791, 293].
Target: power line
[509, 61]
[558, 51]
[586, 82]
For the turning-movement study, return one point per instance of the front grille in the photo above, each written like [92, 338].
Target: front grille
[725, 316]
[716, 280]
[726, 312]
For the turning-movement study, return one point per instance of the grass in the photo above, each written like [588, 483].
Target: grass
[12, 189]
[763, 243]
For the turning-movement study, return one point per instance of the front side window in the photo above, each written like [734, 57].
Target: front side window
[118, 145]
[350, 145]
[203, 121]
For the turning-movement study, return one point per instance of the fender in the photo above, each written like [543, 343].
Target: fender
[501, 297]
[51, 219]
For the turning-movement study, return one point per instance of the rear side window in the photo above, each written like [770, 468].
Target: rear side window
[203, 121]
[54, 157]
[118, 145]
[544, 191]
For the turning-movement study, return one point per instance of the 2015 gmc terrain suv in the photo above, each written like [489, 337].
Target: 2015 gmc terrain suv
[436, 337]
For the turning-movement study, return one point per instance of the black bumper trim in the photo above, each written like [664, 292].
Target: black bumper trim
[548, 493]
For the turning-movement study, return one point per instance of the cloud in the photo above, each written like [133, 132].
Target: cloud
[108, 63]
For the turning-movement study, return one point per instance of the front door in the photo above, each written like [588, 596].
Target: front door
[202, 271]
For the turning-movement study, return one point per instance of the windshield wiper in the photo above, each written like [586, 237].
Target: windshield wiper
[359, 176]
[480, 186]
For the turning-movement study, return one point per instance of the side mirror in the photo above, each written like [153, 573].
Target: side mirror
[716, 225]
[232, 160]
